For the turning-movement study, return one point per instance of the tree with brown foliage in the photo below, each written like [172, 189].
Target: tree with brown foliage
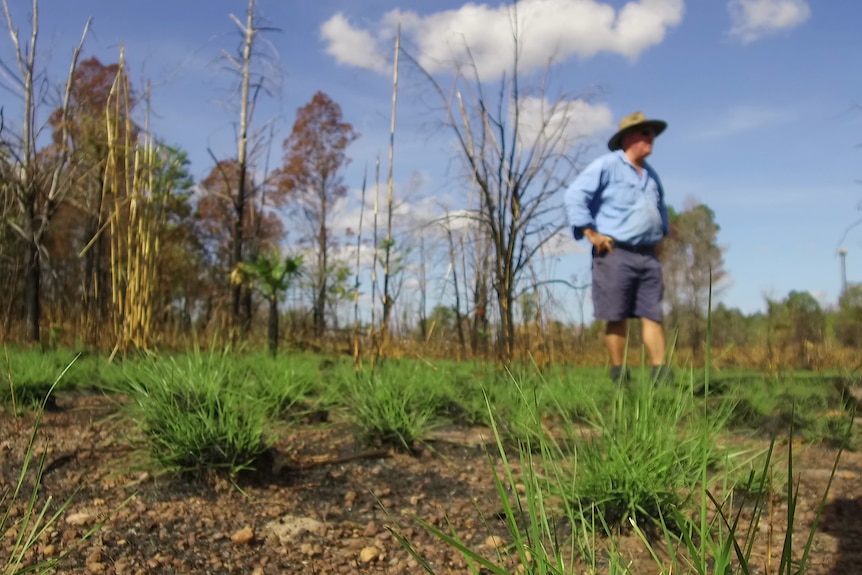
[87, 139]
[215, 223]
[314, 155]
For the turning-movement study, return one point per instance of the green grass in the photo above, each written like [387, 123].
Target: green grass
[21, 531]
[647, 453]
[392, 406]
[199, 412]
[30, 378]
[590, 456]
[652, 466]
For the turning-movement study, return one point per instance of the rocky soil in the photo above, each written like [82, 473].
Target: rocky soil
[326, 505]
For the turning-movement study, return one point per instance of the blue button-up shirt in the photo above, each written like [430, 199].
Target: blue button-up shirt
[611, 197]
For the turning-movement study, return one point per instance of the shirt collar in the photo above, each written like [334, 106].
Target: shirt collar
[625, 159]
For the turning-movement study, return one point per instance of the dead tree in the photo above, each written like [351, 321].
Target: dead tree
[35, 178]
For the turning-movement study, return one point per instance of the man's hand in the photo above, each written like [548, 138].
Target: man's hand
[601, 242]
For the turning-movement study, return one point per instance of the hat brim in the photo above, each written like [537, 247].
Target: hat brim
[616, 141]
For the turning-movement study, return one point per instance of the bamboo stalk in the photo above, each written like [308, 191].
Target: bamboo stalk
[136, 220]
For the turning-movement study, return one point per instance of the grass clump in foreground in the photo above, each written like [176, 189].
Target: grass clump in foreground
[30, 378]
[199, 412]
[23, 523]
[652, 465]
[393, 405]
[644, 456]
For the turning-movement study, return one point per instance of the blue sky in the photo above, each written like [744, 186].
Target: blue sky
[760, 96]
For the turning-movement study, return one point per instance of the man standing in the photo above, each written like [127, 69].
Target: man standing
[617, 203]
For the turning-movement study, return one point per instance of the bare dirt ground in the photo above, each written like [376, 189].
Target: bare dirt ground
[319, 509]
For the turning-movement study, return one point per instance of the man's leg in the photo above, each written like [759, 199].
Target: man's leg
[653, 336]
[648, 308]
[615, 338]
[613, 291]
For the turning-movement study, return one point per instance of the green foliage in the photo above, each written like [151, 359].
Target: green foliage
[23, 523]
[693, 263]
[271, 273]
[809, 404]
[535, 544]
[31, 377]
[391, 406]
[685, 497]
[848, 319]
[199, 412]
[283, 385]
[645, 454]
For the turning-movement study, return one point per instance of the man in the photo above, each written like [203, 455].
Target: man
[617, 203]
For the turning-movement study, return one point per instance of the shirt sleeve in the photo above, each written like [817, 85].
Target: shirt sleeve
[581, 195]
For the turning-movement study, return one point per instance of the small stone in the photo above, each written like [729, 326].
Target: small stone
[371, 530]
[94, 557]
[243, 536]
[369, 554]
[257, 571]
[69, 534]
[49, 551]
[494, 542]
[81, 518]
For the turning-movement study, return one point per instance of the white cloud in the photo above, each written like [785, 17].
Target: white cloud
[351, 46]
[742, 119]
[548, 29]
[563, 243]
[753, 19]
[564, 122]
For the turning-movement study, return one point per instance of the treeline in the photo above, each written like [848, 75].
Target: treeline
[107, 241]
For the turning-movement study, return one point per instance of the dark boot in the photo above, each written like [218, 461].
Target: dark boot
[620, 375]
[661, 374]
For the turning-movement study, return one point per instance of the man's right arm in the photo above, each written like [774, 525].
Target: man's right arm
[580, 198]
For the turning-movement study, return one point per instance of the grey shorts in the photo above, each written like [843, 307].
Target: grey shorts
[627, 284]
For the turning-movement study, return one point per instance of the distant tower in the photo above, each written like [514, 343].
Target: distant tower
[842, 252]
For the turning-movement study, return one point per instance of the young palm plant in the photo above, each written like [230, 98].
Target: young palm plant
[270, 274]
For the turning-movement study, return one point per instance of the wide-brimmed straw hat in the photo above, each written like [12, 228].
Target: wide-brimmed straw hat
[633, 122]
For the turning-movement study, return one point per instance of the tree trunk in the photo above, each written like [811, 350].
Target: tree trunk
[507, 323]
[247, 312]
[32, 292]
[236, 289]
[272, 331]
[479, 331]
[242, 160]
[322, 263]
